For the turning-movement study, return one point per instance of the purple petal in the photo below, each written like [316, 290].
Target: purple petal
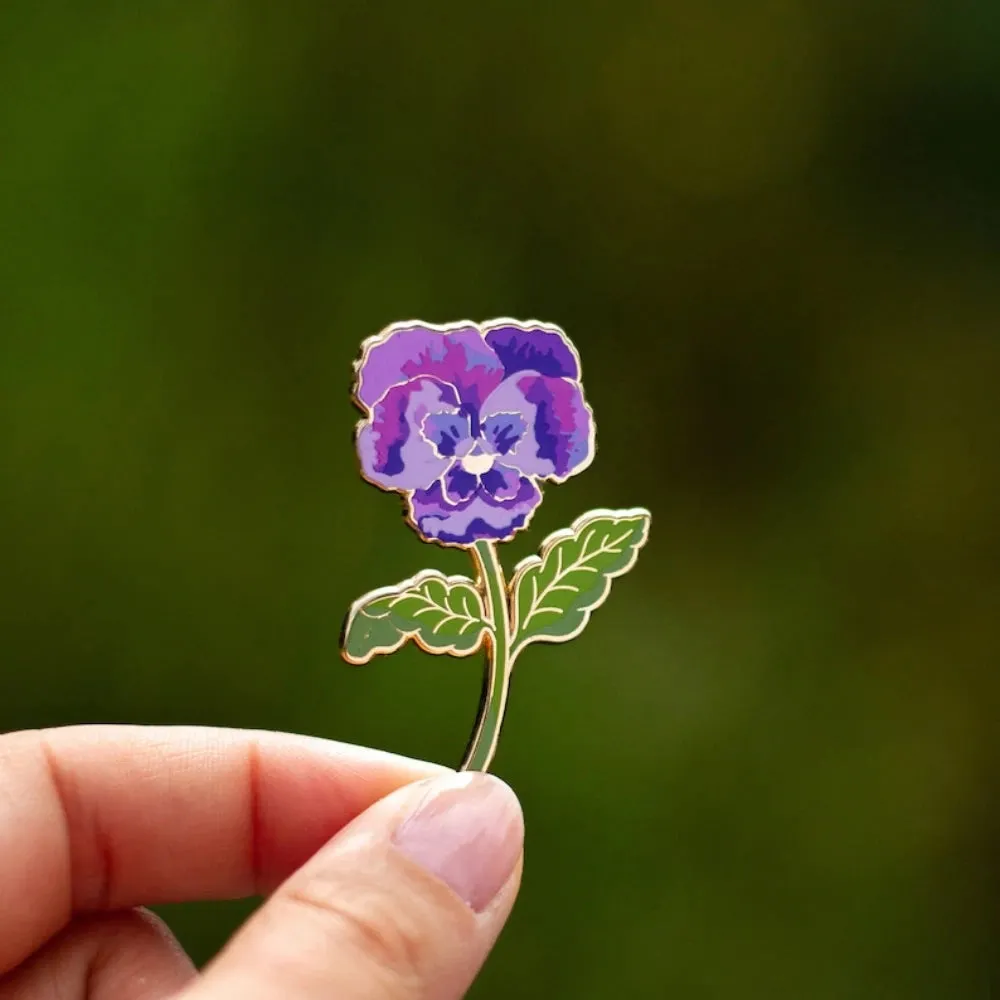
[448, 432]
[502, 431]
[501, 482]
[458, 356]
[478, 517]
[559, 435]
[393, 452]
[459, 485]
[542, 349]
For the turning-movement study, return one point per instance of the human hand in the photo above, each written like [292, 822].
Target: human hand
[389, 879]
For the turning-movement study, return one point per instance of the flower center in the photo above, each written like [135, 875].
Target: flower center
[477, 463]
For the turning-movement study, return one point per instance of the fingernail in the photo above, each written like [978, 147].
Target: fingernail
[468, 831]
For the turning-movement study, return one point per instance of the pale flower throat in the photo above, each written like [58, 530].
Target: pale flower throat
[477, 463]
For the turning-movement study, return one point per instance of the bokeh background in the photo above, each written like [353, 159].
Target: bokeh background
[773, 229]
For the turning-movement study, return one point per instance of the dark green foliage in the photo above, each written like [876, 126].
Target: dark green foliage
[771, 228]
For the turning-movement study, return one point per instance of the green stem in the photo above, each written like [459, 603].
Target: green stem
[496, 677]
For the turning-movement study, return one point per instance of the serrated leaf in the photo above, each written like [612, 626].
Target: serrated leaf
[555, 593]
[442, 614]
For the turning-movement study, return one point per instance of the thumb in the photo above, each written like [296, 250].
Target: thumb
[405, 902]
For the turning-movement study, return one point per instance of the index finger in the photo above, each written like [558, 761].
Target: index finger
[107, 817]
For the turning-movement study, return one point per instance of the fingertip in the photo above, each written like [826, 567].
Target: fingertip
[468, 831]
[306, 790]
[406, 900]
[108, 817]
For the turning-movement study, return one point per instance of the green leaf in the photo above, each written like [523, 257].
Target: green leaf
[442, 614]
[555, 593]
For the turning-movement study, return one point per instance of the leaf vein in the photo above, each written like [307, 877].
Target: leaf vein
[607, 546]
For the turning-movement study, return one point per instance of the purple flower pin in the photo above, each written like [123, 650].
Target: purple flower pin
[466, 421]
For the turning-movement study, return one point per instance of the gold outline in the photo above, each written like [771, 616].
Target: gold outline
[488, 623]
[627, 514]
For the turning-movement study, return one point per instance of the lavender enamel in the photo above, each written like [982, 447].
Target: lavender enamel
[464, 421]
[450, 433]
[459, 357]
[501, 482]
[478, 517]
[533, 349]
[393, 452]
[557, 438]
[502, 431]
[458, 485]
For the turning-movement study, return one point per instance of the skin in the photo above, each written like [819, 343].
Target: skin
[96, 822]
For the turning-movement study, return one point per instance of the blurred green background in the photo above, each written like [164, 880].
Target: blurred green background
[772, 228]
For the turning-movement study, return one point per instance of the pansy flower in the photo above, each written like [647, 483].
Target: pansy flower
[466, 420]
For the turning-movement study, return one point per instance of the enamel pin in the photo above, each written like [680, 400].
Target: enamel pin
[466, 421]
